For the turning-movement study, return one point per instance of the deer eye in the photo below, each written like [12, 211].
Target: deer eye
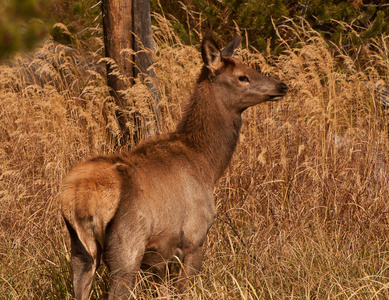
[243, 78]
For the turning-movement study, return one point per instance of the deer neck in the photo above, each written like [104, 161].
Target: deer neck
[210, 129]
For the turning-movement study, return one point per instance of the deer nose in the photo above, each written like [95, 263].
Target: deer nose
[283, 88]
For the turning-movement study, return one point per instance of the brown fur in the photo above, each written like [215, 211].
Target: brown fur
[143, 208]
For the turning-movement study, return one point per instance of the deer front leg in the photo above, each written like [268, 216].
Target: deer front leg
[193, 260]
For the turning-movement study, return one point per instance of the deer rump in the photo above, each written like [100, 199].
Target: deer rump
[143, 208]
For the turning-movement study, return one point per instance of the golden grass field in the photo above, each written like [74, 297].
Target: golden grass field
[302, 209]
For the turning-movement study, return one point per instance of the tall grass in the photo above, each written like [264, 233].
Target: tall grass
[302, 209]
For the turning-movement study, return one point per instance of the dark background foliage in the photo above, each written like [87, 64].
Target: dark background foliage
[350, 25]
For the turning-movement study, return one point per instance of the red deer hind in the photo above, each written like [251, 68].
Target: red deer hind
[144, 208]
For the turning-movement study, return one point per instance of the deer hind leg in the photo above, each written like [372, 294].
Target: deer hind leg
[83, 263]
[124, 261]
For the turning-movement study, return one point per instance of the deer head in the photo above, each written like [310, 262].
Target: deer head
[235, 84]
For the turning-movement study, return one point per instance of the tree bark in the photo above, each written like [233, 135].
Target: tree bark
[143, 46]
[127, 25]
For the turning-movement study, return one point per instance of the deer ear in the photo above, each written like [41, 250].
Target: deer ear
[211, 54]
[231, 47]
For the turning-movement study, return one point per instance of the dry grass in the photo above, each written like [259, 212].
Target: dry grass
[303, 207]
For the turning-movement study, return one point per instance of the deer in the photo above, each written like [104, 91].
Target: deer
[142, 208]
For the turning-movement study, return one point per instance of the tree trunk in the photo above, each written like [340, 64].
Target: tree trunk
[127, 26]
[144, 60]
